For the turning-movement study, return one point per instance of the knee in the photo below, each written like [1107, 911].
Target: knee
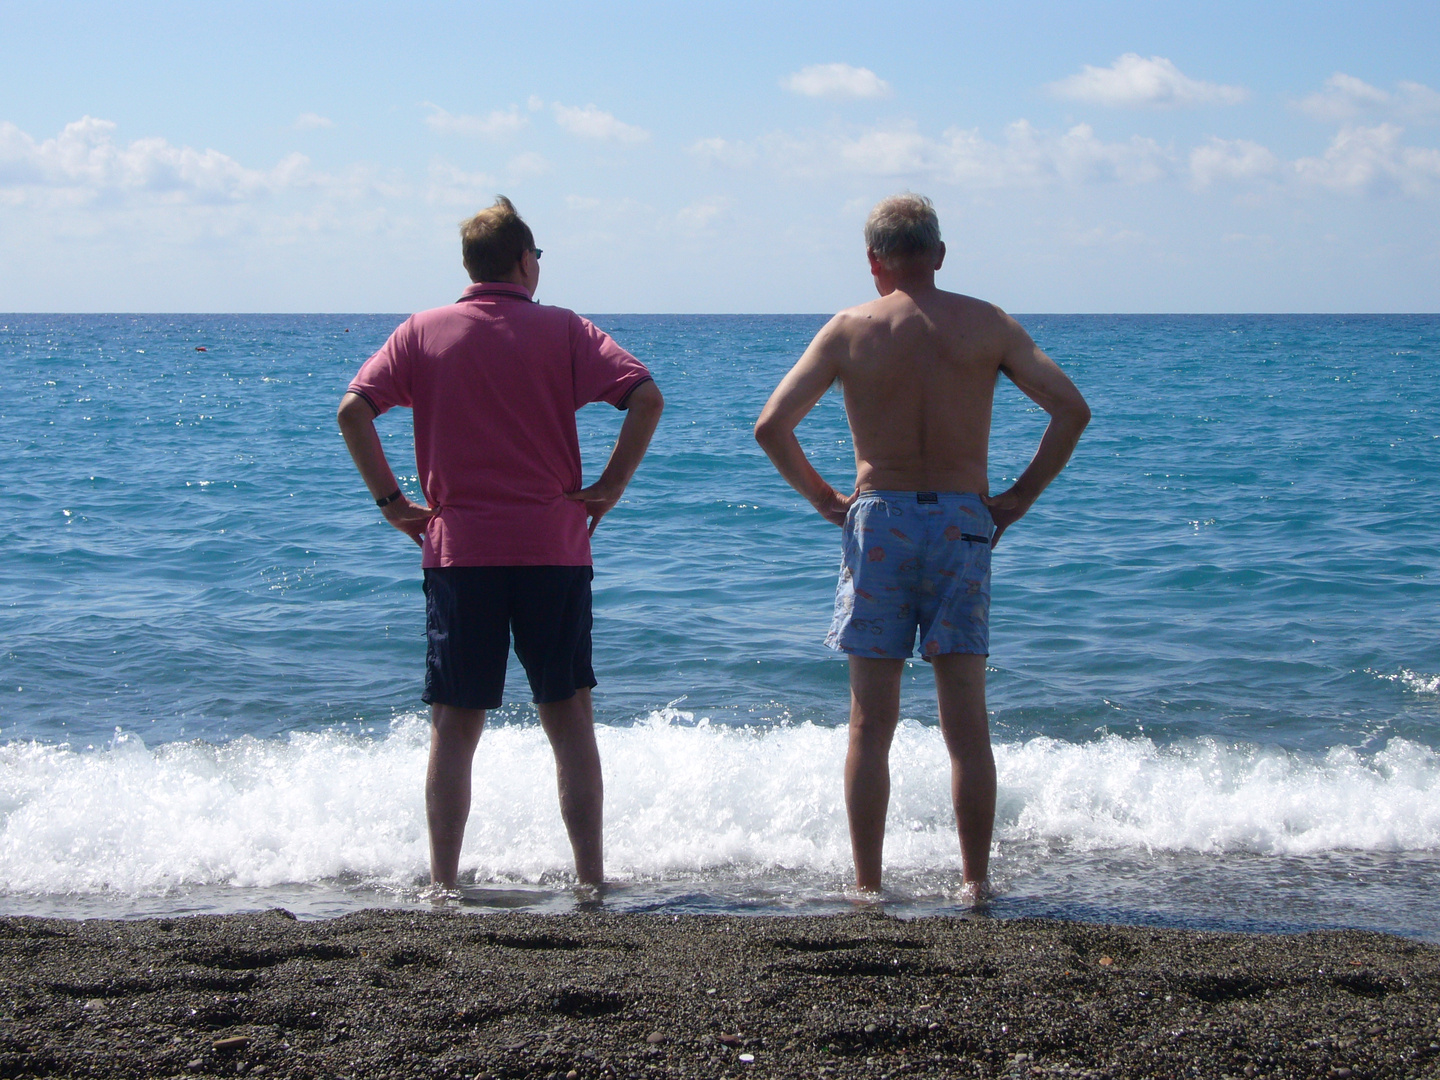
[871, 734]
[451, 726]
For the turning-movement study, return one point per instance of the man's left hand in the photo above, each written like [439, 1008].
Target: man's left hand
[410, 518]
[1005, 509]
[598, 499]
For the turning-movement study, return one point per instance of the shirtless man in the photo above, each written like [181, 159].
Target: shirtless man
[918, 368]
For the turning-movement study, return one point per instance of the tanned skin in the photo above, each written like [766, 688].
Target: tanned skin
[918, 368]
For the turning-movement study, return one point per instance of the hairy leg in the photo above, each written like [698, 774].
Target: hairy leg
[570, 725]
[874, 712]
[454, 734]
[960, 686]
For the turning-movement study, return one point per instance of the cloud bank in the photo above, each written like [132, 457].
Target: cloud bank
[84, 161]
[496, 124]
[836, 81]
[1346, 99]
[1132, 81]
[593, 123]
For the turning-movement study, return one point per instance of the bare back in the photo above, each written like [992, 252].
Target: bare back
[918, 373]
[918, 367]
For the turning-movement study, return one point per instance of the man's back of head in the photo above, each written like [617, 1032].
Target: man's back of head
[903, 229]
[494, 240]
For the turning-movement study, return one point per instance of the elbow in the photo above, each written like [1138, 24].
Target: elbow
[646, 400]
[765, 430]
[1076, 415]
[354, 410]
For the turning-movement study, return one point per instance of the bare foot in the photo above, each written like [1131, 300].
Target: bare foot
[977, 894]
[440, 895]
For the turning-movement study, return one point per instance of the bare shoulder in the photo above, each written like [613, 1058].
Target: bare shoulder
[851, 328]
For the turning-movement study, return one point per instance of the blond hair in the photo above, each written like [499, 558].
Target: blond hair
[903, 227]
[493, 241]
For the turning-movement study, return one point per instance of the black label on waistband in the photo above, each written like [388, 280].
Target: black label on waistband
[927, 497]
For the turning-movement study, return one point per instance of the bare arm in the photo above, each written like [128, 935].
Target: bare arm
[642, 415]
[357, 424]
[1041, 380]
[799, 390]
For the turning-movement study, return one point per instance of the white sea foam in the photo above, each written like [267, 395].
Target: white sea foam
[1421, 684]
[682, 798]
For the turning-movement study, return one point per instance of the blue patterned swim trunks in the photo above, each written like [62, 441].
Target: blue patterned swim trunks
[914, 560]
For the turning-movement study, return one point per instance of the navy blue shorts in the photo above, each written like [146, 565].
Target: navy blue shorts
[470, 614]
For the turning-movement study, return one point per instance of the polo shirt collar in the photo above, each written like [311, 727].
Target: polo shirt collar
[489, 290]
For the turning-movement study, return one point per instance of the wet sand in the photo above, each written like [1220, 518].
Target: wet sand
[400, 994]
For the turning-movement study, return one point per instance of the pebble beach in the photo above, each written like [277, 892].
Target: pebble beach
[398, 994]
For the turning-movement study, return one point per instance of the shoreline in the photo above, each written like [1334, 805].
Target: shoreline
[393, 993]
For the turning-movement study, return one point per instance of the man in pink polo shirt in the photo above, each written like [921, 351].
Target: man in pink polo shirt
[495, 380]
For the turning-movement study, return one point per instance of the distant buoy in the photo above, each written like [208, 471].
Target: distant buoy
[347, 329]
[201, 348]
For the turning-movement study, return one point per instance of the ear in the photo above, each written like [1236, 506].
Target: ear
[940, 258]
[876, 266]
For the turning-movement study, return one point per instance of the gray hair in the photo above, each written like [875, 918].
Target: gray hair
[903, 226]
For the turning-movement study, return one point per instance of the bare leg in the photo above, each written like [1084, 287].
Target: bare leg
[454, 734]
[570, 725]
[960, 686]
[874, 712]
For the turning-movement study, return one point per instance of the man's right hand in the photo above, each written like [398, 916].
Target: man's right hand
[410, 518]
[835, 508]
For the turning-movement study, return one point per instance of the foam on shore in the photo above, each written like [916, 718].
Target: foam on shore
[682, 797]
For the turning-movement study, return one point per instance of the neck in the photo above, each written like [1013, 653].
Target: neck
[909, 284]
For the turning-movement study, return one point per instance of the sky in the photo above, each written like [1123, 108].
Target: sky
[1083, 157]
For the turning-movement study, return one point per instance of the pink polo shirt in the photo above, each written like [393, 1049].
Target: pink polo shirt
[495, 380]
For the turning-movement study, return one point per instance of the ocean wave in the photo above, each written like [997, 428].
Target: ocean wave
[683, 797]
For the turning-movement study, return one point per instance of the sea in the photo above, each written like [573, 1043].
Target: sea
[1214, 685]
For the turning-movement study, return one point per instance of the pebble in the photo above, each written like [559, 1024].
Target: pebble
[234, 1042]
[871, 1029]
[730, 1040]
[747, 1057]
[1106, 961]
[95, 1005]
[195, 1063]
[573, 1074]
[655, 1038]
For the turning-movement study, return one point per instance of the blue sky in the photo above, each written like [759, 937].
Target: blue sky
[709, 158]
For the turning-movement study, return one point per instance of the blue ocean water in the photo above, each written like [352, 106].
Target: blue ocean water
[1215, 669]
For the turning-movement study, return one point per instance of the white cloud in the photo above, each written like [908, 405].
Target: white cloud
[718, 151]
[525, 165]
[452, 186]
[836, 81]
[1132, 81]
[85, 161]
[700, 215]
[1026, 157]
[1346, 98]
[1230, 160]
[593, 123]
[1372, 159]
[535, 103]
[310, 121]
[496, 124]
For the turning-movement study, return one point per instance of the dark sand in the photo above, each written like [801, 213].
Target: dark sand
[399, 994]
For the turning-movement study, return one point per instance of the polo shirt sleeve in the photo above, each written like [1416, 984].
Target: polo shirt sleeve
[384, 379]
[603, 370]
